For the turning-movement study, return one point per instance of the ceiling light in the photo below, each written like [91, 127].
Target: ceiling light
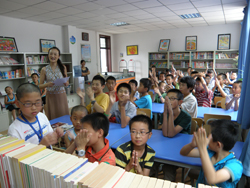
[119, 24]
[187, 16]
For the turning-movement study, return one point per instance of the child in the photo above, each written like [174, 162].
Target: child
[175, 119]
[219, 89]
[77, 113]
[10, 100]
[35, 80]
[160, 94]
[31, 125]
[136, 156]
[123, 110]
[210, 73]
[133, 84]
[219, 165]
[189, 103]
[208, 79]
[233, 78]
[233, 100]
[203, 95]
[162, 78]
[111, 83]
[99, 101]
[169, 80]
[91, 142]
[145, 101]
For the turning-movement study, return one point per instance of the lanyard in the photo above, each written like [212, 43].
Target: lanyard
[40, 133]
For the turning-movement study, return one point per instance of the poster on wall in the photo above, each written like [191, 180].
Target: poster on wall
[8, 44]
[86, 52]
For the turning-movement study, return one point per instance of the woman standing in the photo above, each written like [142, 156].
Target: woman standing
[85, 71]
[56, 98]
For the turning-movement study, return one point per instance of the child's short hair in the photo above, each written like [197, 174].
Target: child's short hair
[146, 83]
[97, 121]
[126, 85]
[34, 74]
[224, 76]
[198, 79]
[161, 83]
[194, 72]
[189, 81]
[210, 71]
[153, 66]
[238, 82]
[226, 132]
[79, 108]
[111, 78]
[170, 75]
[100, 78]
[26, 88]
[133, 82]
[163, 73]
[142, 118]
[178, 93]
[7, 87]
[207, 75]
[168, 70]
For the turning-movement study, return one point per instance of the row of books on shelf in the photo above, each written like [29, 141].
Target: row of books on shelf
[202, 55]
[160, 64]
[36, 59]
[158, 56]
[199, 64]
[225, 65]
[225, 55]
[179, 56]
[7, 61]
[25, 164]
[182, 64]
[30, 71]
[18, 73]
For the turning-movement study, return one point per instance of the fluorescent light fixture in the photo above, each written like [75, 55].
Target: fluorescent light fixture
[187, 16]
[119, 24]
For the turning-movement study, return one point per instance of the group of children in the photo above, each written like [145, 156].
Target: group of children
[91, 126]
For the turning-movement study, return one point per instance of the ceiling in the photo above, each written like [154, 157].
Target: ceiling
[142, 15]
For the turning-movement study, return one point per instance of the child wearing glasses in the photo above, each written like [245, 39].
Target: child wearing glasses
[136, 156]
[175, 120]
[32, 125]
[123, 110]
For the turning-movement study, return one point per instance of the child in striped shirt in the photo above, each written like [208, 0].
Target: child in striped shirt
[203, 95]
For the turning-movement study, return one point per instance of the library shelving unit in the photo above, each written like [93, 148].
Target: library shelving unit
[16, 67]
[159, 59]
[180, 60]
[222, 60]
[12, 72]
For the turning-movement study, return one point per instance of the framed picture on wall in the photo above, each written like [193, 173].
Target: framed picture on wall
[224, 41]
[8, 44]
[164, 45]
[46, 44]
[85, 36]
[132, 50]
[191, 43]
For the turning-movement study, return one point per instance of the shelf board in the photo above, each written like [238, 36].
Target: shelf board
[14, 65]
[69, 72]
[12, 79]
[37, 64]
[178, 59]
[225, 59]
[200, 59]
[226, 68]
[158, 59]
[161, 67]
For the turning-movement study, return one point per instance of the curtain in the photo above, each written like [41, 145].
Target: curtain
[243, 112]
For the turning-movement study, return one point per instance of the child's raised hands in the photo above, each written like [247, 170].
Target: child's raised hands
[112, 97]
[156, 90]
[136, 164]
[201, 138]
[90, 93]
[237, 96]
[82, 138]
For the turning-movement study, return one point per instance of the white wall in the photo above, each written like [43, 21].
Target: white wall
[149, 42]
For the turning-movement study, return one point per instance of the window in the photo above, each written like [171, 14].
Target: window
[105, 51]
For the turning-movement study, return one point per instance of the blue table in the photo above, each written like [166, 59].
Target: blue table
[168, 149]
[218, 111]
[157, 108]
[115, 131]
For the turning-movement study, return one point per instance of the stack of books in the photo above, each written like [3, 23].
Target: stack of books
[7, 61]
